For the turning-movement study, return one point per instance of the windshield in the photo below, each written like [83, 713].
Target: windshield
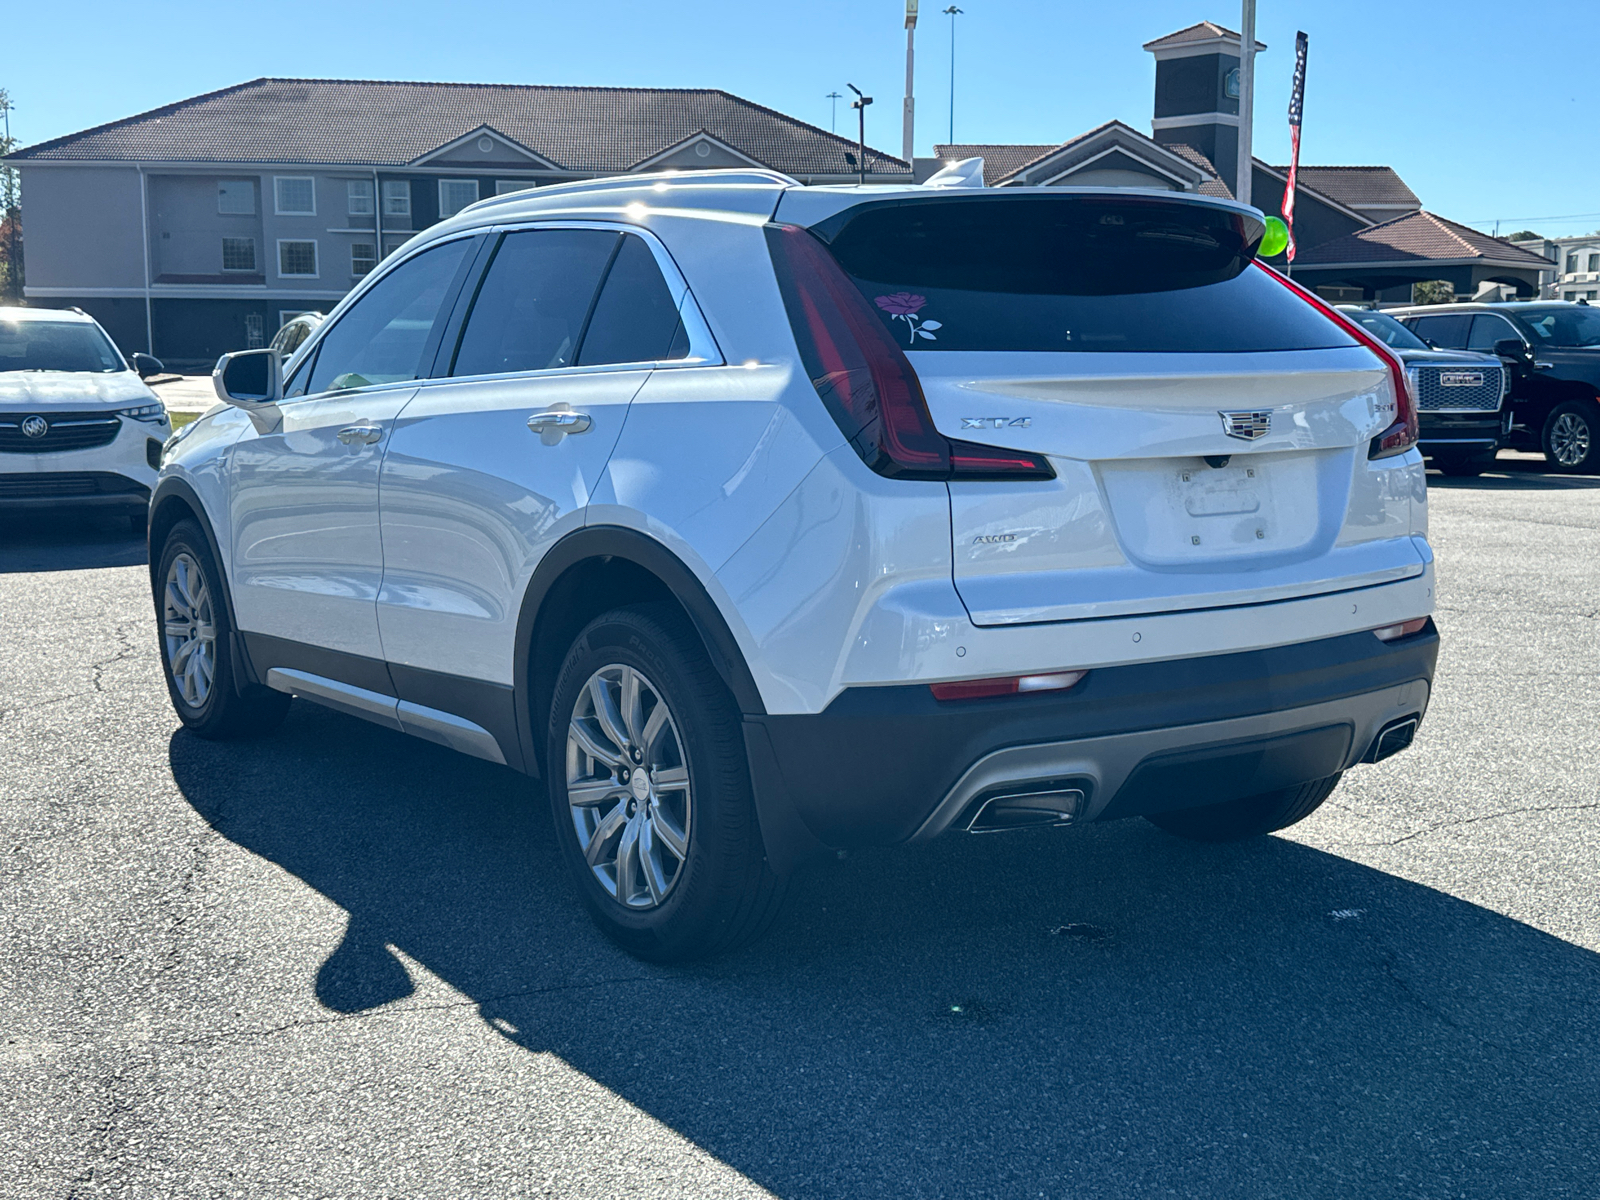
[57, 346]
[1386, 329]
[1573, 326]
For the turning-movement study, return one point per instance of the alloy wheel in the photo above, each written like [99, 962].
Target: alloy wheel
[628, 787]
[189, 630]
[1569, 439]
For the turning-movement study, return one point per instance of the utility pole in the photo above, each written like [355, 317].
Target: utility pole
[908, 138]
[953, 12]
[10, 208]
[860, 105]
[1247, 98]
[833, 116]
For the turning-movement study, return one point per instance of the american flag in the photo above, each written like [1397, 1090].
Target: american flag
[1297, 100]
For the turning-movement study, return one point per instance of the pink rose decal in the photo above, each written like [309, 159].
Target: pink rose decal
[904, 306]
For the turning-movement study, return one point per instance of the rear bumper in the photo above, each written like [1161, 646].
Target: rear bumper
[1459, 433]
[892, 764]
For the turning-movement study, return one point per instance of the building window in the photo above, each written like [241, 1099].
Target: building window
[238, 254]
[396, 198]
[1594, 262]
[456, 194]
[236, 197]
[1572, 264]
[393, 242]
[363, 257]
[297, 259]
[360, 193]
[504, 187]
[254, 331]
[295, 195]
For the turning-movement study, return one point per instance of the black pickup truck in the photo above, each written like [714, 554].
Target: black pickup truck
[1552, 348]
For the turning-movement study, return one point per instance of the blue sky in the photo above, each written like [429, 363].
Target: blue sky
[1487, 109]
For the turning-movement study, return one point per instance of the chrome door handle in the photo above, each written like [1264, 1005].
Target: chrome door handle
[557, 421]
[365, 434]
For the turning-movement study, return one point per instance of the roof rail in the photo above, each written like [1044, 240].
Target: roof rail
[732, 175]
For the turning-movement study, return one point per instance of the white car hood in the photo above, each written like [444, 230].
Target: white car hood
[72, 389]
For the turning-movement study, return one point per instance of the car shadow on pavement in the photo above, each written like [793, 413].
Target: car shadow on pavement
[68, 540]
[1099, 1011]
[1520, 473]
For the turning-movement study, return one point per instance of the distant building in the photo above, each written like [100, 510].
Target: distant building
[203, 226]
[1361, 234]
[1574, 273]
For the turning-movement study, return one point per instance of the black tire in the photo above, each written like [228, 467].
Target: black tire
[1247, 817]
[1463, 466]
[1571, 437]
[723, 893]
[224, 711]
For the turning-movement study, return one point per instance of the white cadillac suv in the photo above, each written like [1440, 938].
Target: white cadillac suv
[758, 519]
[78, 426]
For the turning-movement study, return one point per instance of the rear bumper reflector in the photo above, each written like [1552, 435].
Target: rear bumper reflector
[1010, 685]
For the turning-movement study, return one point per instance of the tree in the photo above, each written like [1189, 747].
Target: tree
[1433, 291]
[1526, 235]
[10, 212]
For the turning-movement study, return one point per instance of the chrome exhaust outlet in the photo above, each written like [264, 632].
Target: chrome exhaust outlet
[1392, 738]
[1026, 810]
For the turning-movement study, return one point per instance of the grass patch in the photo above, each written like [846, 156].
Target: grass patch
[180, 419]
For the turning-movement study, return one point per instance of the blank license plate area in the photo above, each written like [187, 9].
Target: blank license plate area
[1184, 512]
[1220, 491]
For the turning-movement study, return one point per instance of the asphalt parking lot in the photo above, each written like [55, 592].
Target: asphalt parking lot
[338, 963]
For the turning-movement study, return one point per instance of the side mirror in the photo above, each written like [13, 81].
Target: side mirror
[249, 379]
[1513, 348]
[148, 365]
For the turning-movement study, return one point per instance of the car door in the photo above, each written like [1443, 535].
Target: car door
[306, 553]
[496, 458]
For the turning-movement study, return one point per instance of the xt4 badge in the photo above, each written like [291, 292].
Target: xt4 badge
[996, 422]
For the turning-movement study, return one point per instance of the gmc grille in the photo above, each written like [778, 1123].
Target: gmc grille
[67, 431]
[1434, 396]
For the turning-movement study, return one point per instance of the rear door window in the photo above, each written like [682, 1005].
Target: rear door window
[384, 336]
[1070, 273]
[636, 318]
[1448, 330]
[534, 300]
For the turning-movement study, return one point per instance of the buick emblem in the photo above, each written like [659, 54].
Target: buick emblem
[35, 427]
[1246, 425]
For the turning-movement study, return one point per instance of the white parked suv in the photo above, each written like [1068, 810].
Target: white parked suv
[78, 426]
[758, 519]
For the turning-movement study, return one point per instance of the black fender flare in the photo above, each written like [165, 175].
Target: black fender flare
[171, 487]
[787, 840]
[619, 542]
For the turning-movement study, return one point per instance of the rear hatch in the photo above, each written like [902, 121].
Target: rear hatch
[1208, 428]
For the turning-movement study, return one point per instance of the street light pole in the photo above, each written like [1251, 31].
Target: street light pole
[908, 139]
[860, 105]
[1247, 99]
[953, 12]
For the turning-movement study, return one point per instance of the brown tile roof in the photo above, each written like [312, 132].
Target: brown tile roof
[1357, 186]
[1215, 186]
[1000, 161]
[1414, 236]
[1201, 31]
[382, 123]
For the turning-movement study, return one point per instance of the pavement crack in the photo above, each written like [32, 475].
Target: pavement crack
[1494, 816]
[99, 666]
[390, 1013]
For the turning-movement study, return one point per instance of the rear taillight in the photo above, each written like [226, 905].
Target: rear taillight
[1009, 685]
[1401, 435]
[1390, 633]
[865, 381]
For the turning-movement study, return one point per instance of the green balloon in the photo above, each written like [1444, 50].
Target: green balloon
[1275, 240]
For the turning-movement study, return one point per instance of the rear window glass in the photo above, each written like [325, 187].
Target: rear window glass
[1070, 273]
[636, 318]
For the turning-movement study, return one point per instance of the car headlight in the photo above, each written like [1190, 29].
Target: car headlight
[153, 414]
